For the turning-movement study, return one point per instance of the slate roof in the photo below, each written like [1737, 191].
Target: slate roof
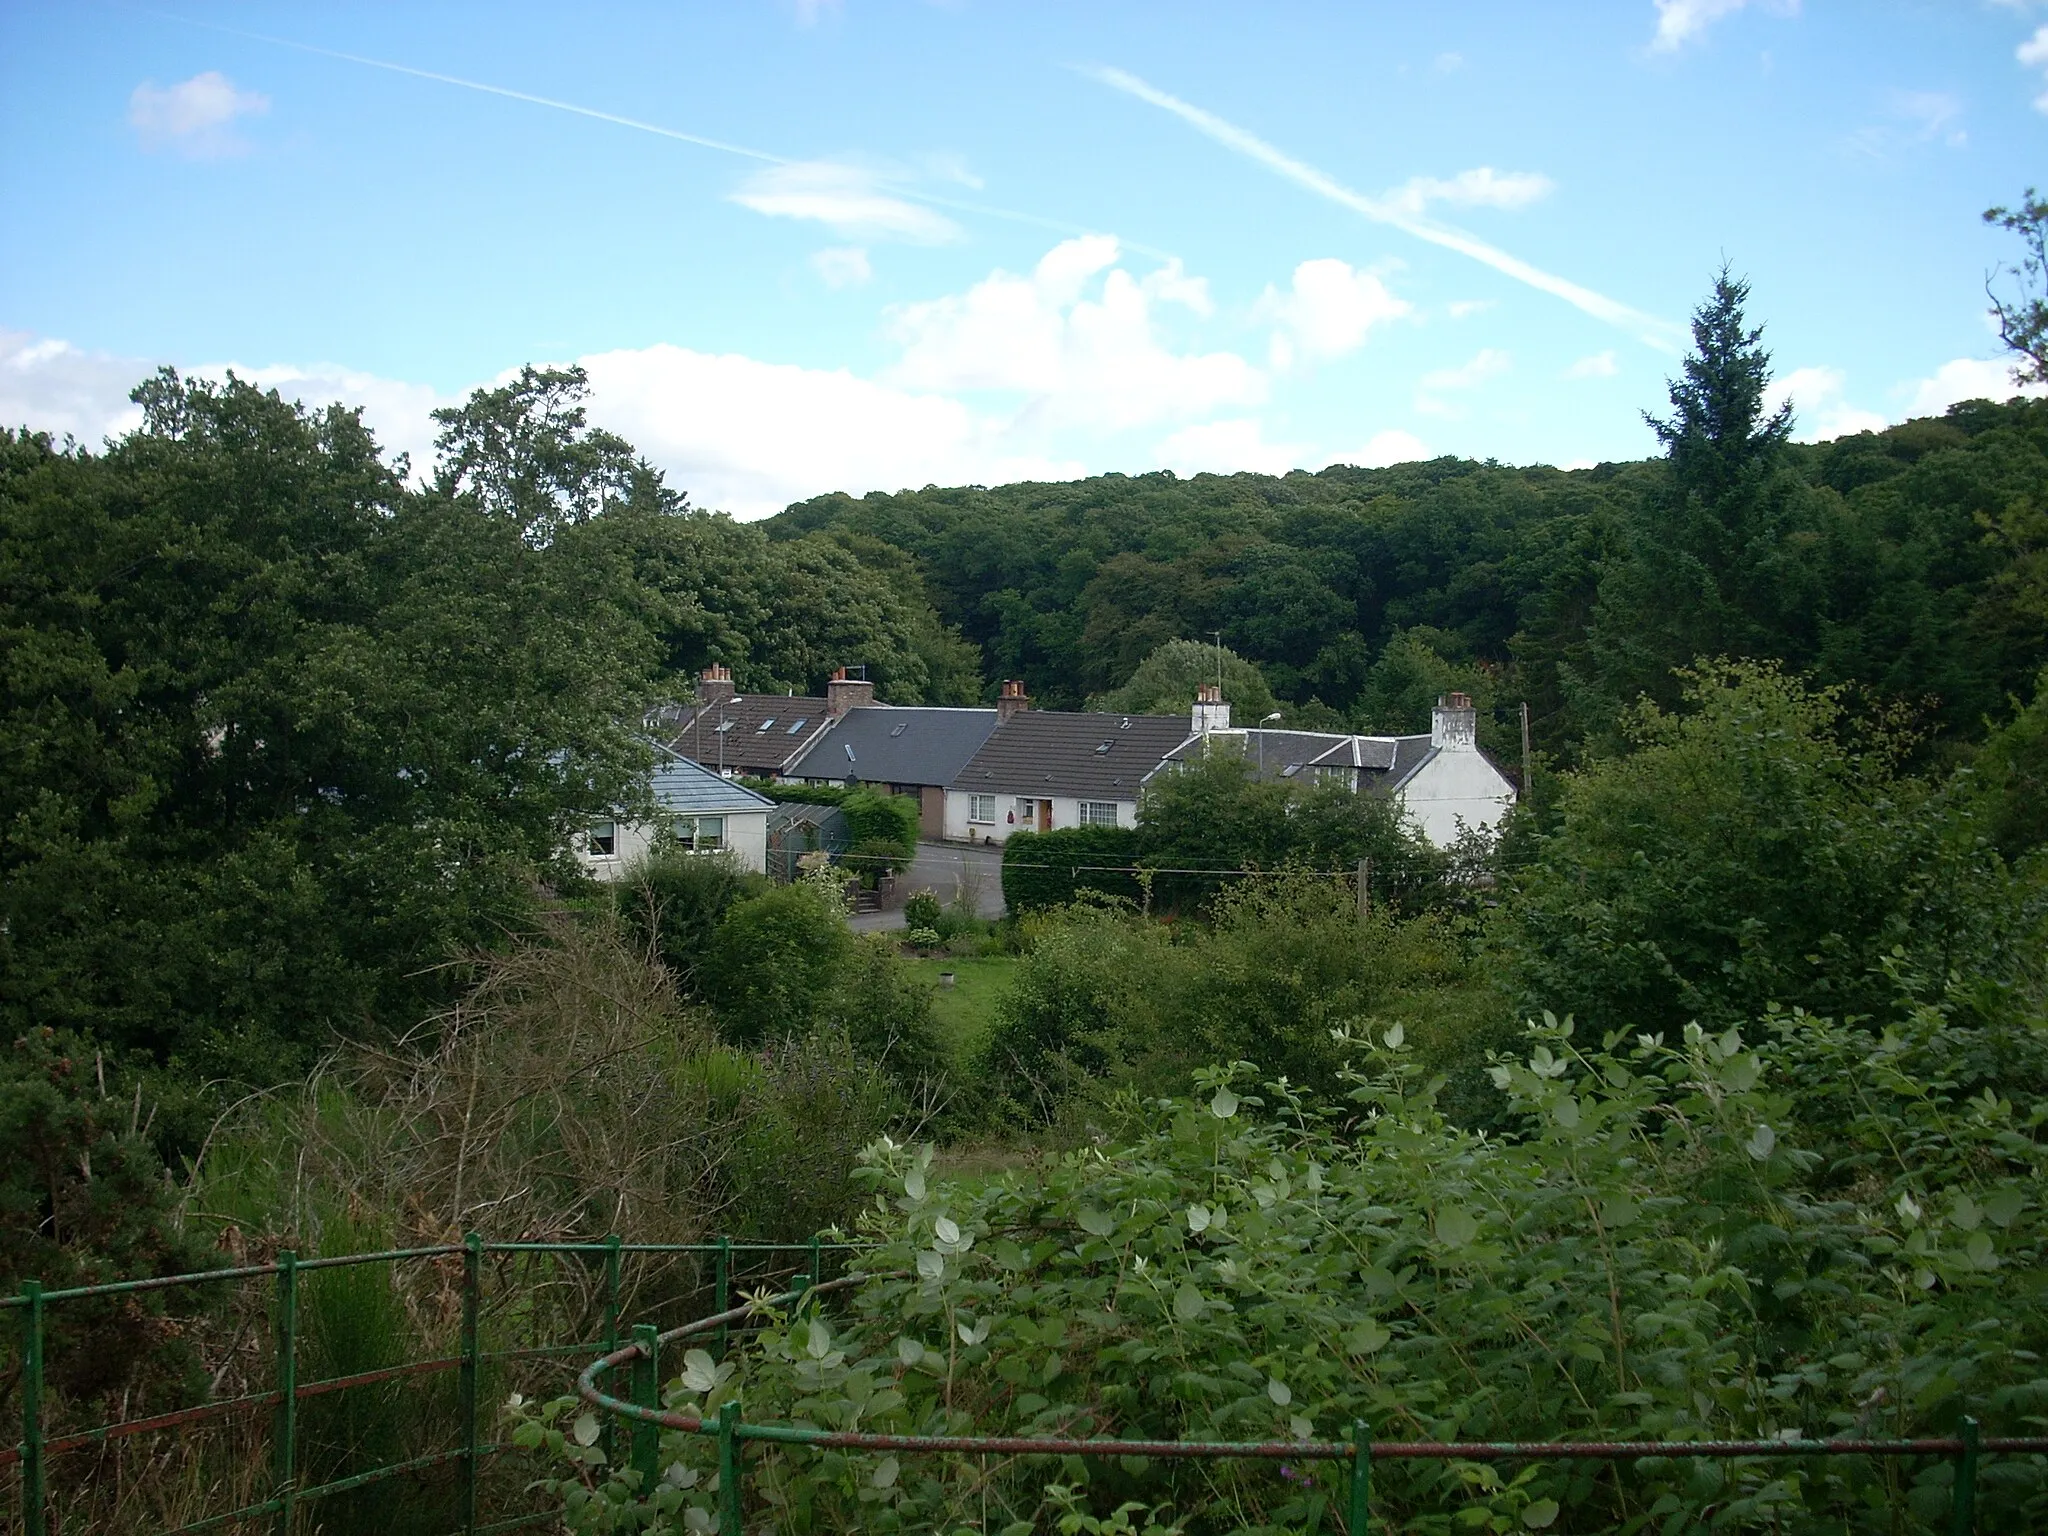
[1410, 753]
[896, 744]
[1385, 762]
[767, 730]
[682, 787]
[1045, 753]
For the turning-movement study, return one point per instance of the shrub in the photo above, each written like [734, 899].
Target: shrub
[923, 938]
[775, 957]
[1051, 869]
[883, 1006]
[922, 910]
[1265, 1266]
[675, 902]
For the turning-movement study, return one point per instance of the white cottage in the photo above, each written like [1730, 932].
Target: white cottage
[700, 812]
[1442, 780]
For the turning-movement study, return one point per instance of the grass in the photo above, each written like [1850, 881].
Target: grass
[966, 1010]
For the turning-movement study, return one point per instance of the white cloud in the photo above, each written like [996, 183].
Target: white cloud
[2033, 53]
[1226, 447]
[1486, 363]
[1480, 187]
[1934, 114]
[1392, 446]
[1095, 362]
[1656, 332]
[1819, 410]
[193, 116]
[1329, 308]
[750, 437]
[842, 266]
[1461, 309]
[1601, 365]
[1966, 378]
[853, 200]
[1680, 21]
[1446, 63]
[52, 386]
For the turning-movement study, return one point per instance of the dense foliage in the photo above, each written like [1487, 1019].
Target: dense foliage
[1797, 1229]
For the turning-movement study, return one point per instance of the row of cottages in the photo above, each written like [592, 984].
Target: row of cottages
[980, 774]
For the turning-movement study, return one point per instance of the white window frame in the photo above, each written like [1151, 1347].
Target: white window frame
[606, 832]
[692, 836]
[981, 810]
[1092, 813]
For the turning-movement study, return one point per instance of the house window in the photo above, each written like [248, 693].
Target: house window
[981, 808]
[700, 834]
[764, 725]
[604, 840]
[1098, 813]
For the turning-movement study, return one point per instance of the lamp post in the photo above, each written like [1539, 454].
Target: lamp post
[1262, 740]
[724, 725]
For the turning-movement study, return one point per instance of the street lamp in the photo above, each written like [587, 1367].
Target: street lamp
[1262, 740]
[724, 725]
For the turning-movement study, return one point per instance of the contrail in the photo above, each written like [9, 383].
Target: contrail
[1649, 329]
[760, 156]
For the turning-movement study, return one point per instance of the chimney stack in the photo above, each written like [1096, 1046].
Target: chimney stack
[843, 693]
[1013, 700]
[1454, 727]
[714, 685]
[1211, 713]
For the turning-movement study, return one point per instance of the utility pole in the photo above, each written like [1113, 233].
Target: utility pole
[1525, 749]
[1217, 636]
[1365, 888]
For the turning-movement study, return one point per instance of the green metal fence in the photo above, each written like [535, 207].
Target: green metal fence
[649, 1418]
[33, 1455]
[638, 1351]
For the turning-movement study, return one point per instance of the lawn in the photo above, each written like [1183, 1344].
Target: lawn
[967, 1009]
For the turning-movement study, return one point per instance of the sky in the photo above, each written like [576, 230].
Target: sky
[803, 246]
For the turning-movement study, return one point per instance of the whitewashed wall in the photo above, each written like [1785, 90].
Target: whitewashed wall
[1455, 787]
[1066, 812]
[746, 838]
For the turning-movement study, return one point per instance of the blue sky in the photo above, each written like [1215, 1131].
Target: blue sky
[815, 246]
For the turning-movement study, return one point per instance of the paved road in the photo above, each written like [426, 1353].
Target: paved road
[943, 868]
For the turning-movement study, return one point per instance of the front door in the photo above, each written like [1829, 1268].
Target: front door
[1045, 815]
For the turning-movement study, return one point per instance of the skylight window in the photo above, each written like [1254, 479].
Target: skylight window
[1099, 751]
[798, 724]
[764, 725]
[898, 730]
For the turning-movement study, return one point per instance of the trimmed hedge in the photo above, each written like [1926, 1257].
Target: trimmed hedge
[1045, 869]
[872, 815]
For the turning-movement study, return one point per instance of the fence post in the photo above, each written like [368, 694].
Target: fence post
[1964, 1518]
[35, 1507]
[1357, 1518]
[611, 1326]
[284, 1430]
[646, 1394]
[729, 1468]
[472, 1303]
[723, 1291]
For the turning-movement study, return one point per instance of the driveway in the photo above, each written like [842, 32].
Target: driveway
[946, 869]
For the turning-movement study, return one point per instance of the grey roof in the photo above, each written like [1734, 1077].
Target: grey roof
[1086, 756]
[1386, 761]
[764, 731]
[891, 744]
[1410, 754]
[682, 787]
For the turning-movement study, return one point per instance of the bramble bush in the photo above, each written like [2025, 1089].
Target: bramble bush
[1811, 1231]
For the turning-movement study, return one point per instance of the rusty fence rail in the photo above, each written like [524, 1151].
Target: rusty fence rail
[33, 1453]
[648, 1418]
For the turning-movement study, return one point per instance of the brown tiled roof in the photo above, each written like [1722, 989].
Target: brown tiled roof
[1085, 756]
[764, 731]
